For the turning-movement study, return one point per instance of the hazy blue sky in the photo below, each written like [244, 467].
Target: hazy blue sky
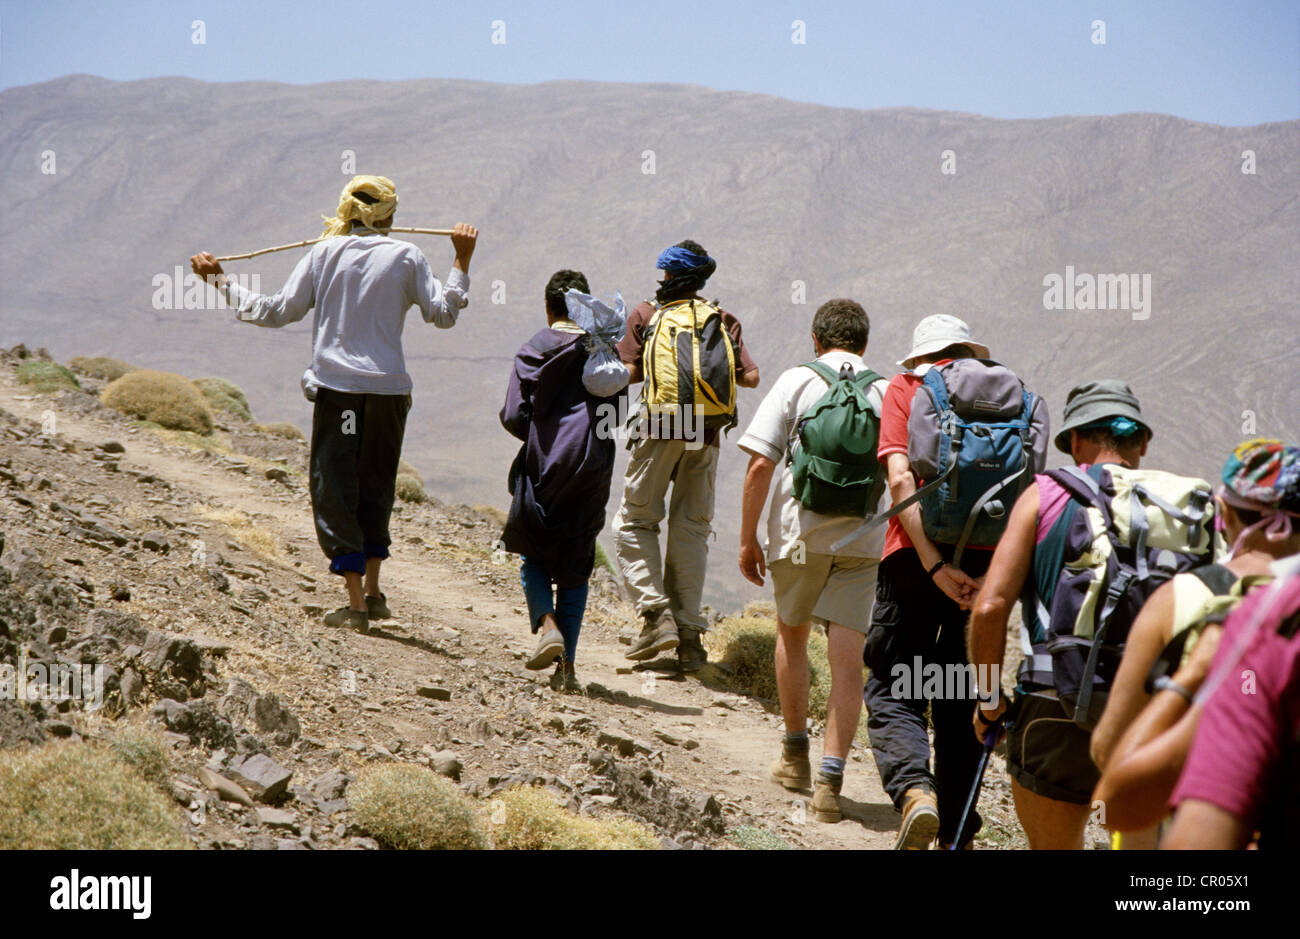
[1223, 62]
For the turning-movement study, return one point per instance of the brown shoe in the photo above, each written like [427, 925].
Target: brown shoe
[659, 634]
[793, 770]
[920, 821]
[353, 619]
[825, 805]
[690, 651]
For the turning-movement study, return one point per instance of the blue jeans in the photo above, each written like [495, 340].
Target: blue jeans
[567, 604]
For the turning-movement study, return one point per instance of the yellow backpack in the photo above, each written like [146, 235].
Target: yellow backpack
[689, 364]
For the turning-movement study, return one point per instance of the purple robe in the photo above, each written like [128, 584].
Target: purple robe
[560, 479]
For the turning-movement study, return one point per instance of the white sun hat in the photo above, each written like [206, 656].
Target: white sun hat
[938, 332]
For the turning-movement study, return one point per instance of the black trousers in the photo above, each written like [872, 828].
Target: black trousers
[356, 442]
[915, 623]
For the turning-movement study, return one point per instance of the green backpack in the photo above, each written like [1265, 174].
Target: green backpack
[834, 467]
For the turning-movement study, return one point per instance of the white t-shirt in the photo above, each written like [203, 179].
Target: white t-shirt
[771, 434]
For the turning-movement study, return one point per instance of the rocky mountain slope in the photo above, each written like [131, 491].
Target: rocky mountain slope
[192, 576]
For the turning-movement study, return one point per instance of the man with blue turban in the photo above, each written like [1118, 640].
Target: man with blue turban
[668, 587]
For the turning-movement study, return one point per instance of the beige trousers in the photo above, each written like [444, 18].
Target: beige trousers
[676, 581]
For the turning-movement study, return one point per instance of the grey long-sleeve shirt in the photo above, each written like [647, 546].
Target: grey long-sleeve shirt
[361, 286]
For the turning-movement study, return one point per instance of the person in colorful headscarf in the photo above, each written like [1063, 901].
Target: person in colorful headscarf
[1135, 743]
[360, 283]
[667, 586]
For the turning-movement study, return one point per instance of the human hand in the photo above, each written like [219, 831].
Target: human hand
[959, 586]
[752, 564]
[206, 266]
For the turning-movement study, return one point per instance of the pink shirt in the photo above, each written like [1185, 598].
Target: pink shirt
[1251, 717]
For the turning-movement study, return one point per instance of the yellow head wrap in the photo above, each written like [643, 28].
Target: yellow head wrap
[351, 208]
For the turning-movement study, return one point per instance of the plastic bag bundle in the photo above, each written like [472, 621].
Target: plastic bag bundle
[604, 374]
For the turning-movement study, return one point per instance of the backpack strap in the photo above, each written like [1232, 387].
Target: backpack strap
[979, 507]
[877, 520]
[1218, 579]
[824, 371]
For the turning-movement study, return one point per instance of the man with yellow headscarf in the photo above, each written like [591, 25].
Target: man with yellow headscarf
[360, 283]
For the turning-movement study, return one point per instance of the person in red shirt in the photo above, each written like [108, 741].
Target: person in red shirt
[919, 617]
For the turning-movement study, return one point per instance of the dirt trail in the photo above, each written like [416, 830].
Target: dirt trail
[439, 591]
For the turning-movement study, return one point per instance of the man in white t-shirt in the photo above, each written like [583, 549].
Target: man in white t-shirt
[810, 583]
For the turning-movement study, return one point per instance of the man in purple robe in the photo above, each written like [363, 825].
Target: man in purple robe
[559, 481]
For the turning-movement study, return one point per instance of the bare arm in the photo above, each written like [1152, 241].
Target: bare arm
[1200, 825]
[758, 477]
[986, 632]
[749, 379]
[902, 485]
[1128, 697]
[1144, 767]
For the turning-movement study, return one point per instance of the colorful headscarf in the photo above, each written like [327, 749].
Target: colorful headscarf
[1263, 476]
[379, 188]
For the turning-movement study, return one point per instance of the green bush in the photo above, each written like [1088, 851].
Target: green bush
[280, 429]
[745, 644]
[411, 807]
[102, 367]
[42, 376]
[225, 396]
[161, 398]
[76, 795]
[529, 819]
[410, 489]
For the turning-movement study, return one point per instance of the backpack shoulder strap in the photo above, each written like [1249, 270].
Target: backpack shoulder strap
[1084, 487]
[824, 371]
[866, 378]
[934, 381]
[1218, 579]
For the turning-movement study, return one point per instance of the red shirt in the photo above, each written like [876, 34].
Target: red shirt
[633, 342]
[894, 413]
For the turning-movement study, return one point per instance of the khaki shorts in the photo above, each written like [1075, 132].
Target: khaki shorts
[825, 589]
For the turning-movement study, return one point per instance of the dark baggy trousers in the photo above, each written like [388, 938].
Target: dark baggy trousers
[914, 621]
[356, 441]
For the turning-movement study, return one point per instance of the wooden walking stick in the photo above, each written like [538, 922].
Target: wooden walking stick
[312, 241]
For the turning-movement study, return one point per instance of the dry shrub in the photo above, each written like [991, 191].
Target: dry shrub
[225, 396]
[77, 795]
[410, 489]
[103, 367]
[161, 398]
[281, 429]
[406, 469]
[411, 807]
[528, 819]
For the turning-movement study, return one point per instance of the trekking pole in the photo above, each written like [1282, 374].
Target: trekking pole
[990, 742]
[312, 241]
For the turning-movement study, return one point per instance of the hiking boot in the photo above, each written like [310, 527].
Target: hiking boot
[825, 806]
[549, 648]
[352, 619]
[564, 680]
[920, 821]
[658, 635]
[793, 769]
[377, 607]
[690, 651]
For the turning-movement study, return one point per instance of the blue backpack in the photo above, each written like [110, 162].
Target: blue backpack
[978, 437]
[973, 435]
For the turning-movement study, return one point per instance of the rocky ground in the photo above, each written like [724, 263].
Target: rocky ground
[190, 572]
